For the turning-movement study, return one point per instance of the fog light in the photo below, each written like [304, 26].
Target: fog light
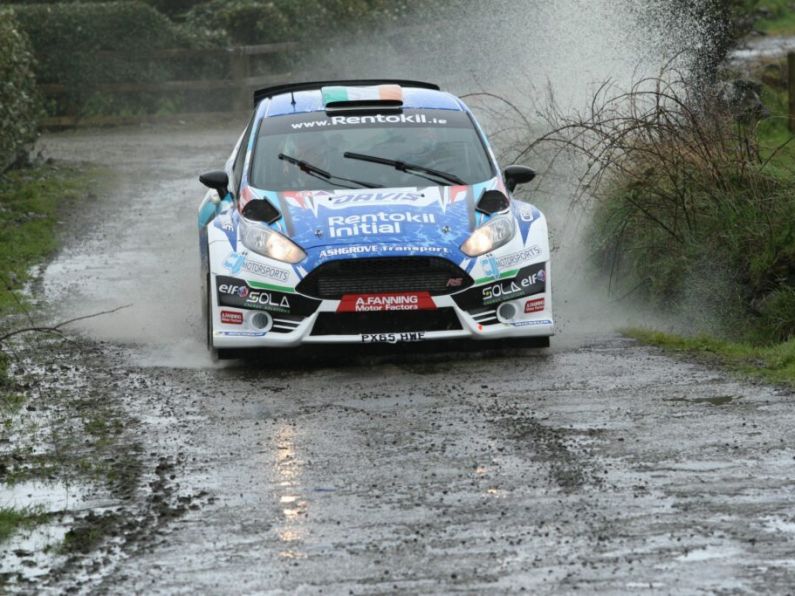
[262, 321]
[506, 312]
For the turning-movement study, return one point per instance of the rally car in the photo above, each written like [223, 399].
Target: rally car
[368, 211]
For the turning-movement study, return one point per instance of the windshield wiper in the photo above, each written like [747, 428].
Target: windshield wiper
[317, 172]
[409, 168]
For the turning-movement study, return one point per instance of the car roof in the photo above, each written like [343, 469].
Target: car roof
[311, 100]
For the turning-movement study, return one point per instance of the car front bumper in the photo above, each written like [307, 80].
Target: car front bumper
[526, 316]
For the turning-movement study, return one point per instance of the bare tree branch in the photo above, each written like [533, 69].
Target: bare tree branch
[57, 328]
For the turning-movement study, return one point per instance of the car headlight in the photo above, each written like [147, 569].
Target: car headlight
[265, 241]
[493, 234]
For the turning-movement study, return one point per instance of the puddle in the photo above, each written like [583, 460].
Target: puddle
[49, 497]
[717, 400]
[708, 553]
[31, 553]
[777, 524]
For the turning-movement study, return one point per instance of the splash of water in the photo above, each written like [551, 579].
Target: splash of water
[140, 246]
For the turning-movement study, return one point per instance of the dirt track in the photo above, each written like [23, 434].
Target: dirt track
[598, 464]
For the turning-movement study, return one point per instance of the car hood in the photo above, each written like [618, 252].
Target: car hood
[427, 216]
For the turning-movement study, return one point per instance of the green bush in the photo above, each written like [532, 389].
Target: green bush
[19, 103]
[66, 38]
[270, 21]
[171, 8]
[729, 257]
[704, 230]
[81, 45]
[694, 211]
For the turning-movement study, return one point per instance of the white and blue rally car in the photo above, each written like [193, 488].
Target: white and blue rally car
[368, 211]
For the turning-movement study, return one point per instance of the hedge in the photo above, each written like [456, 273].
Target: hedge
[171, 8]
[82, 44]
[67, 38]
[267, 21]
[19, 102]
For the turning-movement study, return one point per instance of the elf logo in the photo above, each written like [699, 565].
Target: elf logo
[233, 290]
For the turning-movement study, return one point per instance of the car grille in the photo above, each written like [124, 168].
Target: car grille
[333, 280]
[484, 316]
[285, 323]
[354, 323]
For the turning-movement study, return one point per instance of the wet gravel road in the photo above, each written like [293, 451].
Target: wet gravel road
[596, 465]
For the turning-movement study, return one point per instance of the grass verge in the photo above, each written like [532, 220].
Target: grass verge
[773, 363]
[31, 200]
[779, 19]
[12, 520]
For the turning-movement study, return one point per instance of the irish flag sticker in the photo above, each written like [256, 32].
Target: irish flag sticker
[392, 94]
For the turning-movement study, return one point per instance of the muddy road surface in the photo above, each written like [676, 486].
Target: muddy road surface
[597, 465]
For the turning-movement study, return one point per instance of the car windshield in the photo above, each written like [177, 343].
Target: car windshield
[443, 140]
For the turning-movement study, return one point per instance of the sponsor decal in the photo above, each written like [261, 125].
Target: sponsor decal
[536, 305]
[230, 317]
[234, 290]
[264, 270]
[342, 226]
[415, 119]
[512, 288]
[491, 266]
[508, 261]
[268, 301]
[408, 118]
[531, 323]
[455, 282]
[368, 249]
[334, 201]
[392, 338]
[227, 223]
[337, 93]
[530, 280]
[377, 197]
[236, 262]
[237, 293]
[241, 333]
[527, 213]
[387, 301]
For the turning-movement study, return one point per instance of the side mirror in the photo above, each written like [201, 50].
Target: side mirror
[516, 175]
[218, 181]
